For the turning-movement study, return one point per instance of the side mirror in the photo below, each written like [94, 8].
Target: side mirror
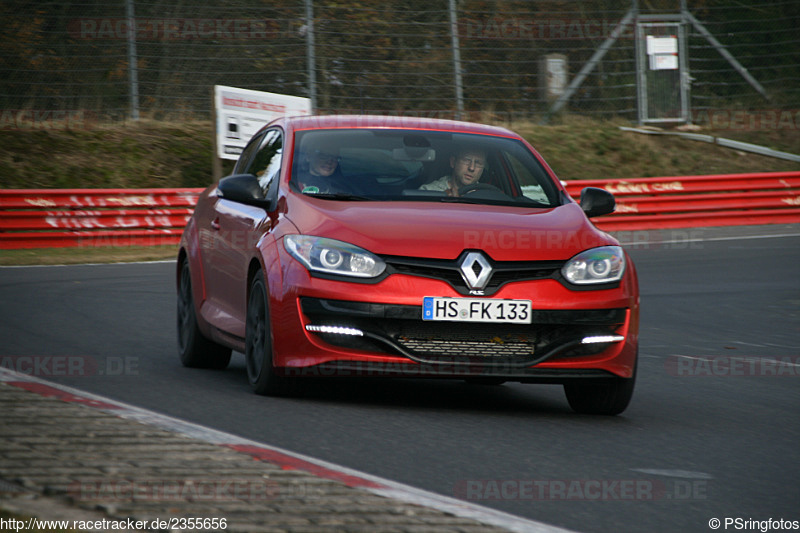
[245, 189]
[597, 202]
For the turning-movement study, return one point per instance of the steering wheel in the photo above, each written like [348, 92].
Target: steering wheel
[469, 189]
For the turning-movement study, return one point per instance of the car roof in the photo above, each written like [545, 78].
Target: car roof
[312, 122]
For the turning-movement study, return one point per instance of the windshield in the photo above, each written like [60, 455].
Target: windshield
[419, 165]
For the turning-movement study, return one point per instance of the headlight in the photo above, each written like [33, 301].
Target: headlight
[333, 257]
[598, 265]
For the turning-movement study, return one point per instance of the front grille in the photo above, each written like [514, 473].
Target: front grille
[501, 343]
[449, 271]
[399, 330]
[437, 340]
[444, 273]
[455, 349]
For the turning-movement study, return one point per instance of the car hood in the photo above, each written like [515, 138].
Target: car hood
[444, 230]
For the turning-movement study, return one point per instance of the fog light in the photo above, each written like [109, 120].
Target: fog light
[335, 330]
[599, 339]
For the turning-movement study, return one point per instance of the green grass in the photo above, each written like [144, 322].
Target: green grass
[73, 256]
[580, 148]
[137, 155]
[178, 154]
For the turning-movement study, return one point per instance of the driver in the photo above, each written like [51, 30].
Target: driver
[467, 164]
[319, 167]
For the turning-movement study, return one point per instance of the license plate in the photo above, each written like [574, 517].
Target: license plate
[476, 310]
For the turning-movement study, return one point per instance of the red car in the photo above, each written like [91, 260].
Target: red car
[396, 246]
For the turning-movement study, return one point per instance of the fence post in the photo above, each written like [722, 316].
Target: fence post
[132, 60]
[311, 59]
[456, 60]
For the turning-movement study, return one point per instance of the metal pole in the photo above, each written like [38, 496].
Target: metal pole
[310, 57]
[456, 60]
[686, 77]
[132, 60]
[641, 75]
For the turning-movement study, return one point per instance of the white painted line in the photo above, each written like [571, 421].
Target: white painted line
[743, 358]
[373, 484]
[687, 474]
[712, 239]
[155, 262]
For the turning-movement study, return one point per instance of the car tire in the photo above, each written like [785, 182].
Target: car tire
[608, 397]
[258, 344]
[196, 350]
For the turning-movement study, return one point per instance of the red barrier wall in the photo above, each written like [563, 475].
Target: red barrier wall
[699, 201]
[43, 218]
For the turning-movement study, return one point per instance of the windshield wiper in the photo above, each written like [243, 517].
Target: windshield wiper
[468, 200]
[459, 200]
[513, 202]
[339, 196]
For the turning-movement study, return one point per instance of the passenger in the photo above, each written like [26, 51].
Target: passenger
[467, 165]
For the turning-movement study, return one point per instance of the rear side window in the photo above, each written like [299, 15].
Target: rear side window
[267, 162]
[248, 153]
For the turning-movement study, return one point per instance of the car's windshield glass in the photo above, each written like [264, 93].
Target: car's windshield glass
[419, 165]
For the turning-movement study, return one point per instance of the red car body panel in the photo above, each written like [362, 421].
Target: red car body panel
[225, 241]
[430, 230]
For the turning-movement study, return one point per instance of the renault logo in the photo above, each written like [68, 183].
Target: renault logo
[476, 270]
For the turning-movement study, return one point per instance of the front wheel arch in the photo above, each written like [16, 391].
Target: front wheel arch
[261, 373]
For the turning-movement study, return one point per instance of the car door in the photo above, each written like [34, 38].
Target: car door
[237, 228]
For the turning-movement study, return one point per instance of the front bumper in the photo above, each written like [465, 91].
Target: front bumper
[398, 330]
[329, 327]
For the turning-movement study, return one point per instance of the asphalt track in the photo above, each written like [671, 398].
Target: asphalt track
[712, 431]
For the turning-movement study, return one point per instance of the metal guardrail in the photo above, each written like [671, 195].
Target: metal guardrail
[44, 218]
[720, 141]
[699, 201]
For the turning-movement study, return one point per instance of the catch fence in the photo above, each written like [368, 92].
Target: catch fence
[489, 61]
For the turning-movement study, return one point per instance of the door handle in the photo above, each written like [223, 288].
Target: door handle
[215, 223]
